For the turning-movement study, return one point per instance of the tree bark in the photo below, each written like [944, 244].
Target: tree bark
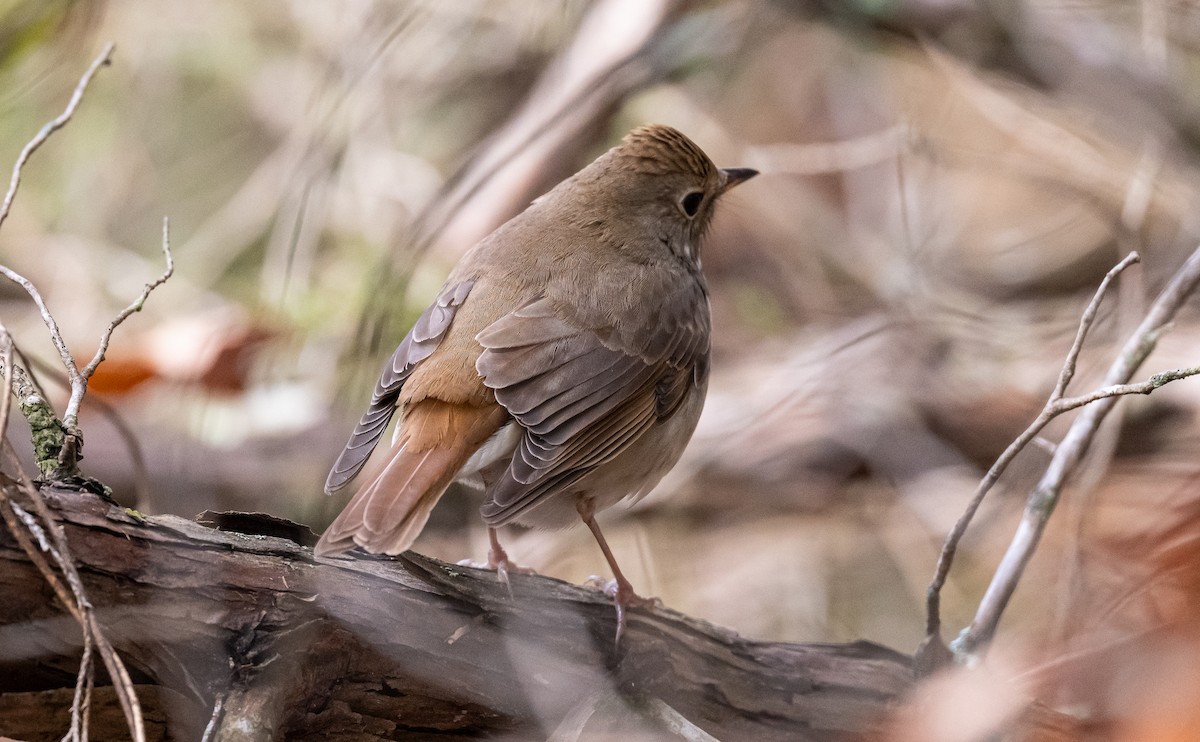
[253, 637]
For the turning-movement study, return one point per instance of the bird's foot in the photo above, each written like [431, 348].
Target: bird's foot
[499, 561]
[503, 567]
[623, 597]
[612, 587]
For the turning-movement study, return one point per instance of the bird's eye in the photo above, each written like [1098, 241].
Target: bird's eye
[691, 203]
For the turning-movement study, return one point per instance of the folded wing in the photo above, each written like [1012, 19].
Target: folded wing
[584, 395]
[418, 345]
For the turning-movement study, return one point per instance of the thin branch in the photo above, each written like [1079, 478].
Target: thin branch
[933, 616]
[76, 379]
[83, 691]
[56, 336]
[1070, 452]
[1085, 324]
[12, 515]
[79, 385]
[10, 511]
[49, 535]
[137, 304]
[53, 541]
[122, 683]
[6, 377]
[1119, 390]
[68, 451]
[14, 183]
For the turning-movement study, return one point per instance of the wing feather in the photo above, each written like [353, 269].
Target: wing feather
[420, 342]
[583, 394]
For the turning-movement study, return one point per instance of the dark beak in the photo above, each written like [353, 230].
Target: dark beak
[735, 175]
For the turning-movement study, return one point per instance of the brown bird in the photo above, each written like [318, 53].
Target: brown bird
[563, 366]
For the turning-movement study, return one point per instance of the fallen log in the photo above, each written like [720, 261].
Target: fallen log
[234, 636]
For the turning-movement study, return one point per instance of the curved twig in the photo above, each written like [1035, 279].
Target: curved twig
[80, 382]
[933, 620]
[1070, 451]
[14, 182]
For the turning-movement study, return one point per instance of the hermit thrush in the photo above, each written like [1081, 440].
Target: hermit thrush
[563, 366]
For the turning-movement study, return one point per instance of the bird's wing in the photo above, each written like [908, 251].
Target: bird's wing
[582, 394]
[418, 344]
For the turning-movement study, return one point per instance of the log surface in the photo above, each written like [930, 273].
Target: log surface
[253, 635]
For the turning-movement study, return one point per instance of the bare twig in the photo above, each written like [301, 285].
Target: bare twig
[51, 127]
[1085, 324]
[933, 619]
[1071, 449]
[6, 377]
[1070, 579]
[25, 527]
[81, 703]
[10, 511]
[76, 378]
[79, 384]
[1065, 456]
[1118, 390]
[56, 336]
[122, 683]
[53, 541]
[68, 453]
[12, 515]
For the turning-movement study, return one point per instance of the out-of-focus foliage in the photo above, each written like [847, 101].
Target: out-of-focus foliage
[943, 186]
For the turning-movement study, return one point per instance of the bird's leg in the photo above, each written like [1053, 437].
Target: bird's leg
[499, 561]
[624, 595]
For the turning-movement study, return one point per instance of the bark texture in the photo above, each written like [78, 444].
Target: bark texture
[250, 635]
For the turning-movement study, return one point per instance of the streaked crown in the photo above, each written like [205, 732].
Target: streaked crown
[659, 149]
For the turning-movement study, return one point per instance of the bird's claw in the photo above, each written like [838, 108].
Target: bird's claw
[623, 597]
[503, 567]
[612, 588]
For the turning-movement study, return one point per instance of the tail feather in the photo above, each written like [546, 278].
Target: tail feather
[406, 478]
[387, 514]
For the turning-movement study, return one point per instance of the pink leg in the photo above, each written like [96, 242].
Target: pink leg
[624, 595]
[499, 561]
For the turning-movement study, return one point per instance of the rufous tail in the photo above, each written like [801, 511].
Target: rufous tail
[389, 511]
